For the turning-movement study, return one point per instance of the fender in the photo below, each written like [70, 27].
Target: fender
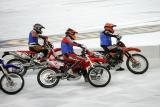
[10, 53]
[26, 52]
[124, 49]
[98, 60]
[5, 54]
[16, 56]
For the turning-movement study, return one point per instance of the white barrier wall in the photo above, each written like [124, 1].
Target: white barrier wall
[152, 53]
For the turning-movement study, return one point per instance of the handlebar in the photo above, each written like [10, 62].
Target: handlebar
[85, 51]
[118, 37]
[48, 44]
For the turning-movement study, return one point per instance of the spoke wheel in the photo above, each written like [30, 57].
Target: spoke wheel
[47, 78]
[99, 76]
[12, 84]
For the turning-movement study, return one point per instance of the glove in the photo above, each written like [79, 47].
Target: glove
[82, 46]
[49, 43]
[119, 37]
[79, 45]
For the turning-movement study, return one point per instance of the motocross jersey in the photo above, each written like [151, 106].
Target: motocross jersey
[105, 39]
[67, 45]
[32, 40]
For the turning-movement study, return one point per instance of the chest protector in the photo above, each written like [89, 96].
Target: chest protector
[32, 40]
[105, 39]
[66, 47]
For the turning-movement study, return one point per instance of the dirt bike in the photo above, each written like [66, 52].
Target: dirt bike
[136, 63]
[25, 59]
[10, 83]
[97, 75]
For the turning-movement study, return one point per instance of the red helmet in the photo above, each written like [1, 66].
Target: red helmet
[70, 32]
[109, 27]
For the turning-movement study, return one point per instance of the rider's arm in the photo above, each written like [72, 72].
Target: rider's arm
[77, 44]
[57, 49]
[107, 33]
[34, 34]
[66, 40]
[43, 37]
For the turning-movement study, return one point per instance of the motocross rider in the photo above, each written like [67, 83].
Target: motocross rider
[67, 44]
[33, 41]
[106, 42]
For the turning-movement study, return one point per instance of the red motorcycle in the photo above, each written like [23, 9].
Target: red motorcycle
[97, 75]
[136, 63]
[25, 59]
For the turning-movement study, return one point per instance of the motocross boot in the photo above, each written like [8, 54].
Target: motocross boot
[85, 75]
[120, 69]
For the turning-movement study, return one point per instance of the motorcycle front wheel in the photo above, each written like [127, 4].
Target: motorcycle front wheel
[99, 76]
[11, 83]
[137, 64]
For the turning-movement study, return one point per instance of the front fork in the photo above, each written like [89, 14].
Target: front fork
[91, 64]
[5, 72]
[129, 56]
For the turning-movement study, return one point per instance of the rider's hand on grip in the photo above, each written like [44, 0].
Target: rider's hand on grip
[118, 37]
[81, 46]
[49, 43]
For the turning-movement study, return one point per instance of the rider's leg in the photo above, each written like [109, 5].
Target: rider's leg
[41, 53]
[82, 66]
[78, 62]
[34, 49]
[71, 60]
[118, 52]
[85, 75]
[105, 48]
[119, 56]
[45, 56]
[106, 51]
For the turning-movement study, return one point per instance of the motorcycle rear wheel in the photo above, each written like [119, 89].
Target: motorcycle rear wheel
[46, 78]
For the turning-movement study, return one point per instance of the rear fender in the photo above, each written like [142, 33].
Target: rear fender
[5, 54]
[11, 53]
[97, 60]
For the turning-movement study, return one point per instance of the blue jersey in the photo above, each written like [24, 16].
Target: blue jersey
[66, 46]
[32, 40]
[105, 39]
